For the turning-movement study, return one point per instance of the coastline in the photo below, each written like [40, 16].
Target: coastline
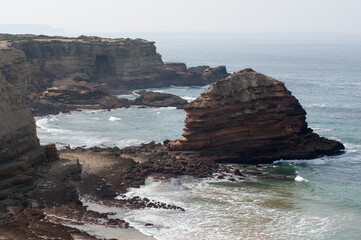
[302, 180]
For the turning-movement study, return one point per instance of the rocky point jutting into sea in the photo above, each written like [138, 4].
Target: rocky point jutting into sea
[251, 118]
[58, 74]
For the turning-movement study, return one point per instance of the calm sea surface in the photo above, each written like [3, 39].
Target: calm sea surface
[315, 199]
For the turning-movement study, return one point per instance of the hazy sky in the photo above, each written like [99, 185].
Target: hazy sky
[85, 16]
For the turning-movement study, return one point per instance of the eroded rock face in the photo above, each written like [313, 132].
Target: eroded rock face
[20, 150]
[249, 117]
[48, 69]
[18, 130]
[14, 68]
[120, 63]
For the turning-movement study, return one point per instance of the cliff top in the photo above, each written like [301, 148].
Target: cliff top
[6, 38]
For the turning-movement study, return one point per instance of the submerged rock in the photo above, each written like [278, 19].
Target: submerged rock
[249, 117]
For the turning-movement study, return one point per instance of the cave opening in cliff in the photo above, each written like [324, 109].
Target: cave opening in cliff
[102, 65]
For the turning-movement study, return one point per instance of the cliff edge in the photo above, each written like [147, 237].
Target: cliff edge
[49, 71]
[251, 118]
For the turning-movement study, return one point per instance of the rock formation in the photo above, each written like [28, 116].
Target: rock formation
[156, 99]
[121, 63]
[20, 150]
[45, 69]
[14, 68]
[249, 117]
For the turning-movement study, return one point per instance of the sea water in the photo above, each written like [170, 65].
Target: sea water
[303, 199]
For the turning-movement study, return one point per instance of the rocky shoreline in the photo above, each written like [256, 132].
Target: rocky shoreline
[98, 175]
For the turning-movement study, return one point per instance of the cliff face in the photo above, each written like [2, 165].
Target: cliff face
[46, 69]
[20, 150]
[249, 117]
[115, 62]
[18, 129]
[14, 68]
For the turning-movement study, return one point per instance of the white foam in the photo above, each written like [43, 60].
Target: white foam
[131, 96]
[189, 99]
[315, 105]
[218, 211]
[300, 179]
[112, 119]
[43, 124]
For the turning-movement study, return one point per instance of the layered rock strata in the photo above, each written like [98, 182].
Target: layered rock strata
[121, 63]
[249, 117]
[48, 69]
[20, 151]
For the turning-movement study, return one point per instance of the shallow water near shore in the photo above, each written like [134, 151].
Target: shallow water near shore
[305, 199]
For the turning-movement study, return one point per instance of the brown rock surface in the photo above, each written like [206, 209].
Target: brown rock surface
[249, 117]
[156, 99]
[14, 68]
[20, 151]
[213, 74]
[36, 65]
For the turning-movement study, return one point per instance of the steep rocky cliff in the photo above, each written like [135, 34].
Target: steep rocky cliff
[249, 117]
[120, 63]
[46, 69]
[20, 150]
[14, 68]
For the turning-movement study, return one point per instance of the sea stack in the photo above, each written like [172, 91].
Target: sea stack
[250, 118]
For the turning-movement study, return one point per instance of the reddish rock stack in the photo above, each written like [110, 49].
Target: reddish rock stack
[249, 117]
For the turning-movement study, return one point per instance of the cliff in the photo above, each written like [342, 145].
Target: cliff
[120, 63]
[20, 150]
[249, 117]
[39, 65]
[14, 68]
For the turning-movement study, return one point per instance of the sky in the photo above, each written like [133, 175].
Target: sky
[111, 16]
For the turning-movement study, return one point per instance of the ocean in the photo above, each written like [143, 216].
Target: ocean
[303, 199]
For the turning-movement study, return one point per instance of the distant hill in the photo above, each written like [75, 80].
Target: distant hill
[31, 29]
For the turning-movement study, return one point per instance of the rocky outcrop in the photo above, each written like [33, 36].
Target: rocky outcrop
[249, 117]
[198, 69]
[69, 98]
[178, 74]
[46, 69]
[213, 74]
[156, 99]
[20, 150]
